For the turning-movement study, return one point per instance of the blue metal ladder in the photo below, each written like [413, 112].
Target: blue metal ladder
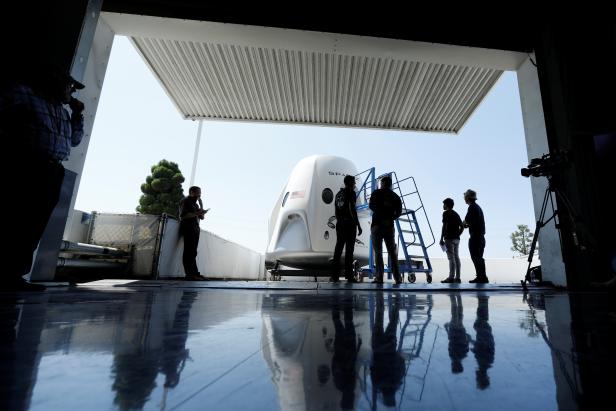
[409, 236]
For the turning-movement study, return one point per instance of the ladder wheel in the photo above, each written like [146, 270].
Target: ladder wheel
[429, 278]
[357, 272]
[412, 278]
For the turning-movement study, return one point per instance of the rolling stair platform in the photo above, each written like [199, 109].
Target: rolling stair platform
[412, 248]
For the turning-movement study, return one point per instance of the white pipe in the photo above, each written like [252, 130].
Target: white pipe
[67, 262]
[82, 248]
[196, 155]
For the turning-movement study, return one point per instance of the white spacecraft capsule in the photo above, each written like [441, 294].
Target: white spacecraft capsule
[302, 226]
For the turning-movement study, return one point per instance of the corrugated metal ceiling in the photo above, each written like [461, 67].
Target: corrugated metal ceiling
[225, 81]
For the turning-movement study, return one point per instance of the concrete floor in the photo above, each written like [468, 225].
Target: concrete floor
[304, 346]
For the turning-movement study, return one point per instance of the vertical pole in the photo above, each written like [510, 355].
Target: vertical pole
[372, 178]
[196, 155]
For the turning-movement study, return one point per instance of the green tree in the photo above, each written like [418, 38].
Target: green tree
[162, 190]
[521, 239]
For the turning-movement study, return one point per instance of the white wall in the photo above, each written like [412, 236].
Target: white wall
[499, 270]
[216, 257]
[76, 229]
[552, 266]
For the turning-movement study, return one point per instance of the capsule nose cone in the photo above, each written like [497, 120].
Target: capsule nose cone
[293, 235]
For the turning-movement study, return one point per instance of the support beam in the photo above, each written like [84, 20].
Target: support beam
[92, 74]
[196, 154]
[576, 73]
[552, 267]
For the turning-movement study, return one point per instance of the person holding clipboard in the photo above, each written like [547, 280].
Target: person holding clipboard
[190, 212]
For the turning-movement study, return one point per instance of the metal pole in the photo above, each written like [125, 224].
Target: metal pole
[196, 156]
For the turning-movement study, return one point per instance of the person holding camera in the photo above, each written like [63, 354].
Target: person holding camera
[191, 211]
[37, 133]
[476, 225]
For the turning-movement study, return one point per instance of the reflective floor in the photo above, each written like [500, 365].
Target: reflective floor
[206, 349]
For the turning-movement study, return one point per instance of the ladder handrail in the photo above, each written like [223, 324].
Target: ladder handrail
[424, 211]
[405, 250]
[413, 222]
[364, 187]
[421, 206]
[368, 186]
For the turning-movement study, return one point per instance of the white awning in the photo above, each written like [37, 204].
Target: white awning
[233, 72]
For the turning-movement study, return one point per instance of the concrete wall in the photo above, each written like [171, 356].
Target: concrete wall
[77, 227]
[499, 270]
[552, 266]
[216, 257]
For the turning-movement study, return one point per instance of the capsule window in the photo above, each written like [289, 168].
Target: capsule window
[284, 200]
[327, 196]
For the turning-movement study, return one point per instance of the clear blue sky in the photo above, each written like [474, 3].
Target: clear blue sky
[243, 166]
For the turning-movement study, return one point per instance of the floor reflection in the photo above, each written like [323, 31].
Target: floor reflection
[388, 366]
[373, 349]
[456, 333]
[346, 347]
[483, 344]
[174, 349]
[136, 365]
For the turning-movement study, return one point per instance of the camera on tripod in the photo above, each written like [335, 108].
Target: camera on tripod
[546, 165]
[549, 166]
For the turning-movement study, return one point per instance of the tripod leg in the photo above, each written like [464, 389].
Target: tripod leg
[566, 203]
[540, 223]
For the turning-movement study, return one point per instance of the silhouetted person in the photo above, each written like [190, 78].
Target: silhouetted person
[386, 207]
[456, 333]
[346, 347]
[388, 368]
[37, 134]
[191, 211]
[477, 229]
[347, 225]
[483, 346]
[174, 343]
[450, 238]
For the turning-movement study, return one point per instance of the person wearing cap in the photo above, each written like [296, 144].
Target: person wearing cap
[347, 229]
[37, 132]
[450, 238]
[386, 207]
[477, 229]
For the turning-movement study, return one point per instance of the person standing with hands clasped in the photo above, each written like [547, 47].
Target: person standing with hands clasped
[450, 239]
[477, 229]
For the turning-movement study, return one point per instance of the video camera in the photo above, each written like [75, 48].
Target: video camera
[546, 165]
